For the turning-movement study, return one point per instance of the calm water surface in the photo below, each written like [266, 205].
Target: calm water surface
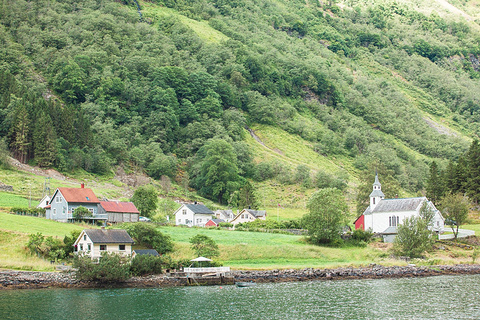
[444, 297]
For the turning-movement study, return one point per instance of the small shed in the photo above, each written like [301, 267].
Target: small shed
[214, 222]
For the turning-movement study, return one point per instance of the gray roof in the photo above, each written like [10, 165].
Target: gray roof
[257, 213]
[226, 213]
[108, 236]
[377, 193]
[151, 252]
[217, 221]
[398, 205]
[199, 208]
[390, 230]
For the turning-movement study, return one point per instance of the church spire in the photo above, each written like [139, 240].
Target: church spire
[377, 193]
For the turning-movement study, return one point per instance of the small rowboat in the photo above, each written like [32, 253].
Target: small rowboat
[245, 284]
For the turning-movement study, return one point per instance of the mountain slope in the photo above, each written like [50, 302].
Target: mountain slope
[331, 89]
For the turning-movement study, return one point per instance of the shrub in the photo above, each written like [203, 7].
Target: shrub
[110, 268]
[146, 264]
[362, 235]
[204, 246]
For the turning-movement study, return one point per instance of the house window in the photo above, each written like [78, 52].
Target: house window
[91, 210]
[184, 211]
[54, 211]
[121, 247]
[199, 221]
[73, 210]
[179, 220]
[84, 237]
[393, 221]
[81, 247]
[89, 247]
[373, 200]
[103, 247]
[58, 199]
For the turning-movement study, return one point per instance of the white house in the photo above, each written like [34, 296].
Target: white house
[249, 215]
[226, 215]
[193, 215]
[384, 215]
[44, 202]
[93, 242]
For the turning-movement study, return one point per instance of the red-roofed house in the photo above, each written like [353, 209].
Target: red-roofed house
[118, 211]
[64, 201]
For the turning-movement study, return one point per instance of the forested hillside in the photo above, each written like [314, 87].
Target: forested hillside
[171, 87]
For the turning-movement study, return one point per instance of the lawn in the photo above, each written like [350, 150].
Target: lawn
[256, 250]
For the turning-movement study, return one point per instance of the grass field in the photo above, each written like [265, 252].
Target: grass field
[238, 249]
[8, 200]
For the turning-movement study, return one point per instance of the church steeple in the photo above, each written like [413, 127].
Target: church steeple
[377, 193]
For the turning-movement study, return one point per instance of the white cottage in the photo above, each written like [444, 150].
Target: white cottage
[44, 202]
[193, 215]
[249, 215]
[384, 215]
[93, 242]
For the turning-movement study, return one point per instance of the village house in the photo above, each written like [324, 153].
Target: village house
[249, 215]
[226, 215]
[94, 242]
[64, 201]
[118, 211]
[193, 215]
[214, 222]
[383, 216]
[44, 202]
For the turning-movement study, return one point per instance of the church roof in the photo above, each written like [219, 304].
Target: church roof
[397, 205]
[377, 193]
[376, 182]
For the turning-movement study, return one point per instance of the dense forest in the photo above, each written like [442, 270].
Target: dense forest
[170, 87]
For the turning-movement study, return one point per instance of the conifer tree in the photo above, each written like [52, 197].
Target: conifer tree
[473, 171]
[44, 141]
[20, 130]
[434, 184]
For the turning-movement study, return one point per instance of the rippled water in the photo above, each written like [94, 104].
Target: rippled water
[443, 297]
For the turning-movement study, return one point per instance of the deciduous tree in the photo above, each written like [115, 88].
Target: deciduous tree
[327, 215]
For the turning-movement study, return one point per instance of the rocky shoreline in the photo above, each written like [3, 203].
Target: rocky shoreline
[39, 280]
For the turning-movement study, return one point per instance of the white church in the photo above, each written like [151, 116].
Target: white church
[384, 215]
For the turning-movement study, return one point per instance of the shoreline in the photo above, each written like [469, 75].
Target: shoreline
[11, 280]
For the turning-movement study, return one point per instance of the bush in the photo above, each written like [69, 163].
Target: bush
[110, 268]
[146, 264]
[362, 235]
[204, 246]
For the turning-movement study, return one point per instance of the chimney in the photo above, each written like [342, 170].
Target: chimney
[82, 185]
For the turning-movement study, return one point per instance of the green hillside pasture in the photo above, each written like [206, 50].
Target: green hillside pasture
[8, 200]
[28, 225]
[201, 28]
[14, 231]
[256, 250]
[14, 256]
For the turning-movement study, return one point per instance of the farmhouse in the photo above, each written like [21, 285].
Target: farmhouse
[248, 215]
[193, 215]
[384, 215]
[64, 201]
[94, 242]
[118, 212]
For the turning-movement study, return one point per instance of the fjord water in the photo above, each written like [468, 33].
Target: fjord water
[442, 297]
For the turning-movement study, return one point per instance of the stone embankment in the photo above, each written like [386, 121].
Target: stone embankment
[32, 280]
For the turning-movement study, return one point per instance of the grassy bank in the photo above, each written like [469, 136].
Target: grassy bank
[238, 249]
